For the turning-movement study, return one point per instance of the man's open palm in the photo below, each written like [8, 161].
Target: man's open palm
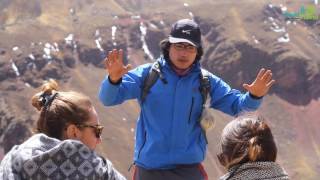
[261, 85]
[114, 65]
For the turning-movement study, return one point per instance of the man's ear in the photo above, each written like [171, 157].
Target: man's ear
[72, 132]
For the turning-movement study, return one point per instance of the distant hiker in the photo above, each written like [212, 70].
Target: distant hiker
[170, 143]
[68, 132]
[249, 151]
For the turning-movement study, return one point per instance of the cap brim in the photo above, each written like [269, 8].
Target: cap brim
[180, 40]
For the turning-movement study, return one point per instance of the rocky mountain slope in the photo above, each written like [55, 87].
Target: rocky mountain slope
[67, 40]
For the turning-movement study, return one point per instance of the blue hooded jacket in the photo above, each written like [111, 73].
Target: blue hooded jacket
[168, 132]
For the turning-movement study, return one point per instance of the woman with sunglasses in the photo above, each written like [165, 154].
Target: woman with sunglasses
[68, 133]
[249, 150]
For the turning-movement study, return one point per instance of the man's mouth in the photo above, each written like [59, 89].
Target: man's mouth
[183, 60]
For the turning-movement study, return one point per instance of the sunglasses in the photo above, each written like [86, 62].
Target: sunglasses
[97, 128]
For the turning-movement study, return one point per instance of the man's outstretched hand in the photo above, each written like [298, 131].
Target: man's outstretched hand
[114, 65]
[261, 85]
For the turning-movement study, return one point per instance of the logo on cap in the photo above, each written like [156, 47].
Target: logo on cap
[186, 31]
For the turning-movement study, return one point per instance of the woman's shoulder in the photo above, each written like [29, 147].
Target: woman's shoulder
[255, 170]
[40, 147]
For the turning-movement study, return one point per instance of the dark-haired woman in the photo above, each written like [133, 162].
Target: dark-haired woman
[249, 151]
[68, 133]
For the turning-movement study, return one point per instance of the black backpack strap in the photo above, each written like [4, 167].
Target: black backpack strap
[154, 73]
[205, 87]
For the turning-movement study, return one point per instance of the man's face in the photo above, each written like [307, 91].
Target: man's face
[182, 55]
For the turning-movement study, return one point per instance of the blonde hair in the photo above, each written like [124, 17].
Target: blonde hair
[59, 108]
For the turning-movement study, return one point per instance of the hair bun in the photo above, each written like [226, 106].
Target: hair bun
[48, 88]
[254, 150]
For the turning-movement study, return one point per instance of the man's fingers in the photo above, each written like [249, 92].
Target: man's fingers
[268, 78]
[114, 56]
[128, 67]
[107, 60]
[271, 83]
[110, 59]
[106, 64]
[114, 62]
[246, 86]
[266, 75]
[260, 74]
[120, 56]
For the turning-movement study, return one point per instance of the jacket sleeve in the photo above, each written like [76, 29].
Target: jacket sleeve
[129, 87]
[231, 101]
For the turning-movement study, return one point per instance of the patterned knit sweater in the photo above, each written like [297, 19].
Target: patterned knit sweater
[42, 157]
[256, 171]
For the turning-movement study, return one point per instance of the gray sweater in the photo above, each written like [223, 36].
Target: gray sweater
[256, 171]
[42, 157]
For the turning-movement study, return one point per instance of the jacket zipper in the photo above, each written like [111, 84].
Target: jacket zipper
[144, 142]
[190, 111]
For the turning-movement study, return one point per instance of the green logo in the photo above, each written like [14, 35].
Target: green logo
[306, 13]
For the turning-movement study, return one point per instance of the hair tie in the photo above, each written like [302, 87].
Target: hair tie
[253, 140]
[47, 99]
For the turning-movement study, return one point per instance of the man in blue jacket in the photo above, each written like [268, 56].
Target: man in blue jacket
[170, 143]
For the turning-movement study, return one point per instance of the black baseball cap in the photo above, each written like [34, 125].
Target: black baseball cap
[185, 30]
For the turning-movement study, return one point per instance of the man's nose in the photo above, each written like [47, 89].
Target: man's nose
[183, 53]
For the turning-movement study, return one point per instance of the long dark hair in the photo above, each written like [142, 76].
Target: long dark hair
[247, 139]
[165, 45]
